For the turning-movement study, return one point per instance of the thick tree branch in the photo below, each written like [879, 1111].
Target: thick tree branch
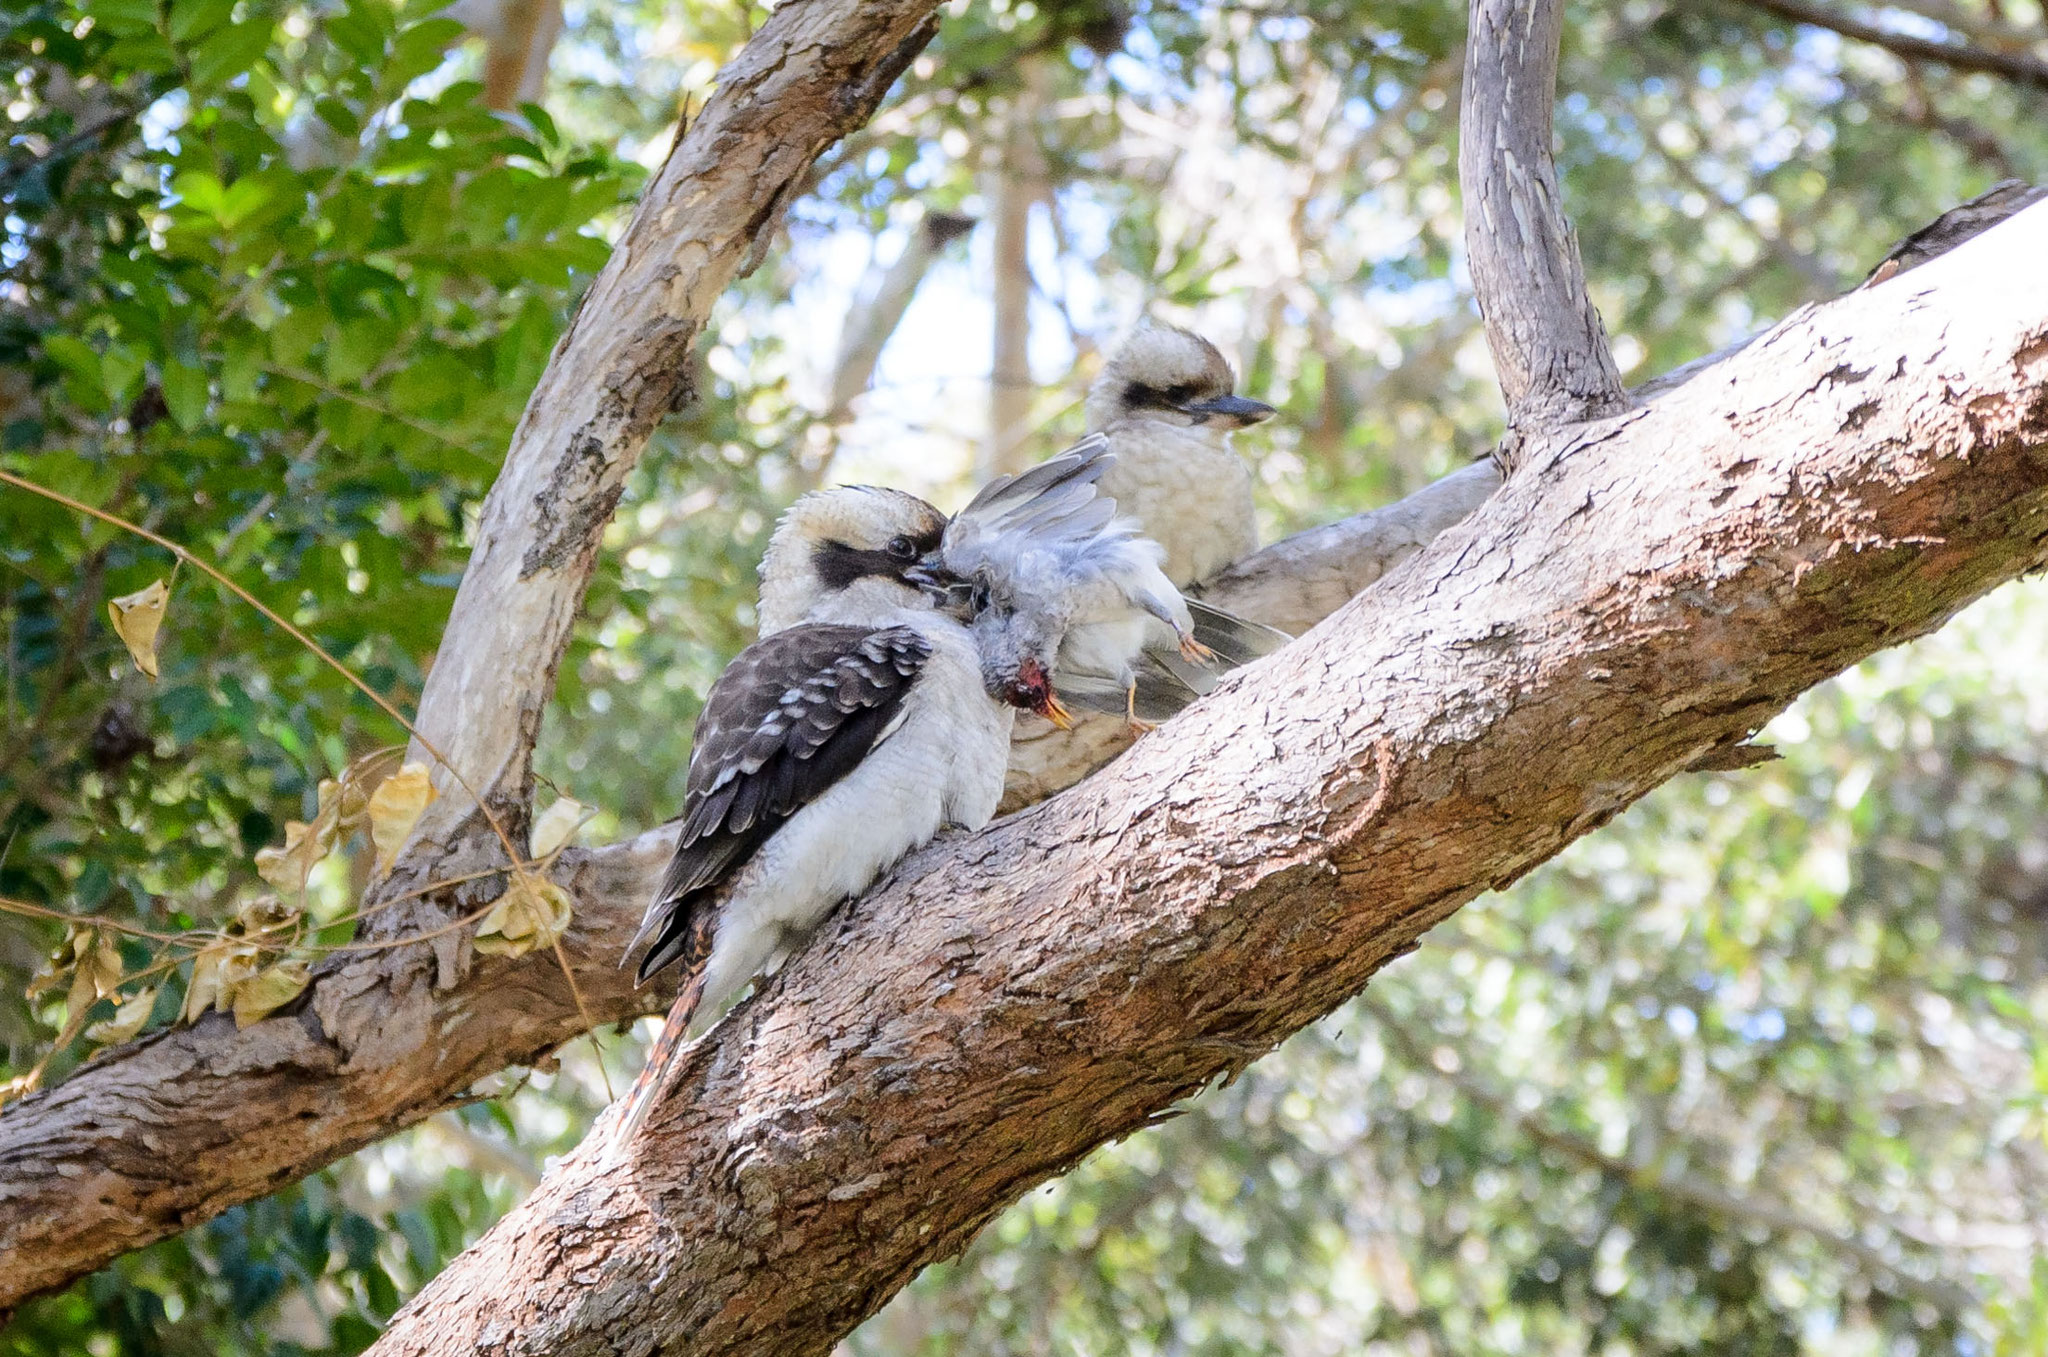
[1654, 587]
[2017, 67]
[1548, 345]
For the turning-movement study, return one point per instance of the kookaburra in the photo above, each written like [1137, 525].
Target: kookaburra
[851, 732]
[1164, 401]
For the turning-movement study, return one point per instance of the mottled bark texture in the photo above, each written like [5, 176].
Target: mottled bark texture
[1549, 349]
[165, 1132]
[1651, 589]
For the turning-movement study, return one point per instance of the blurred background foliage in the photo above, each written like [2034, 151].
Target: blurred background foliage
[1757, 1068]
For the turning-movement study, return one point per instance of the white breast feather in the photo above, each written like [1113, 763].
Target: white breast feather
[1189, 490]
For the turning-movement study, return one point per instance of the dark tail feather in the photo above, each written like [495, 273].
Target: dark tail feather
[654, 1074]
[1236, 640]
[1198, 679]
[1160, 693]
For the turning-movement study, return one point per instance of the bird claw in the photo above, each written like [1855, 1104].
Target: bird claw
[1194, 651]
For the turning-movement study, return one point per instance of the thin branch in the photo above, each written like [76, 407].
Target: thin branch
[874, 316]
[2014, 66]
[63, 146]
[1549, 347]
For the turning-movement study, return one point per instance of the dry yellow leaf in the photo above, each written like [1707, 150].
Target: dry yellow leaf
[20, 1086]
[60, 963]
[265, 914]
[347, 798]
[395, 807]
[216, 973]
[555, 828]
[136, 618]
[532, 913]
[264, 993]
[288, 867]
[105, 965]
[84, 993]
[128, 1019]
[97, 974]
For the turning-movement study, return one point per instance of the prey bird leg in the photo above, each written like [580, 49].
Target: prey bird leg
[1131, 718]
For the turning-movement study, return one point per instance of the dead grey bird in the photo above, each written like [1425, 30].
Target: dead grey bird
[1091, 606]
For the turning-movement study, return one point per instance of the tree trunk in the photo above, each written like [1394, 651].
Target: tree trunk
[1016, 181]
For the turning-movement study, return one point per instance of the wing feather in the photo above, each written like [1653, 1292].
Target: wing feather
[793, 714]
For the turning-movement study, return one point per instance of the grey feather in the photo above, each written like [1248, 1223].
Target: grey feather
[1160, 694]
[1236, 640]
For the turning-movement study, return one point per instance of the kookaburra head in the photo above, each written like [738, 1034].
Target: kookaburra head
[860, 542]
[1174, 376]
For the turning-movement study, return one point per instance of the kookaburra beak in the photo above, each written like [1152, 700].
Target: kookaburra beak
[1234, 410]
[945, 588]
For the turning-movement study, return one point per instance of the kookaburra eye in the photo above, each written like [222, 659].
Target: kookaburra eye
[902, 548]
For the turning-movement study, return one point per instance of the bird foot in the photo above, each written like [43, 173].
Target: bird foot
[1136, 726]
[1194, 651]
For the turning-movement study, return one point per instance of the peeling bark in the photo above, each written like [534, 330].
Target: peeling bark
[1647, 591]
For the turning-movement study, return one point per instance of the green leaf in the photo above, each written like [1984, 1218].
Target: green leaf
[420, 49]
[185, 393]
[125, 18]
[338, 116]
[75, 356]
[120, 371]
[360, 31]
[355, 350]
[200, 191]
[543, 126]
[195, 18]
[229, 53]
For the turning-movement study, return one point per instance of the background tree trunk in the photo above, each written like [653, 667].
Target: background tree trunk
[1016, 182]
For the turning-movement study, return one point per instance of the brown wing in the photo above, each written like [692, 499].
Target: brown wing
[790, 716]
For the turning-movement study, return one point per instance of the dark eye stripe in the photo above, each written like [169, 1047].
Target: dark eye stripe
[839, 565]
[1139, 395]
